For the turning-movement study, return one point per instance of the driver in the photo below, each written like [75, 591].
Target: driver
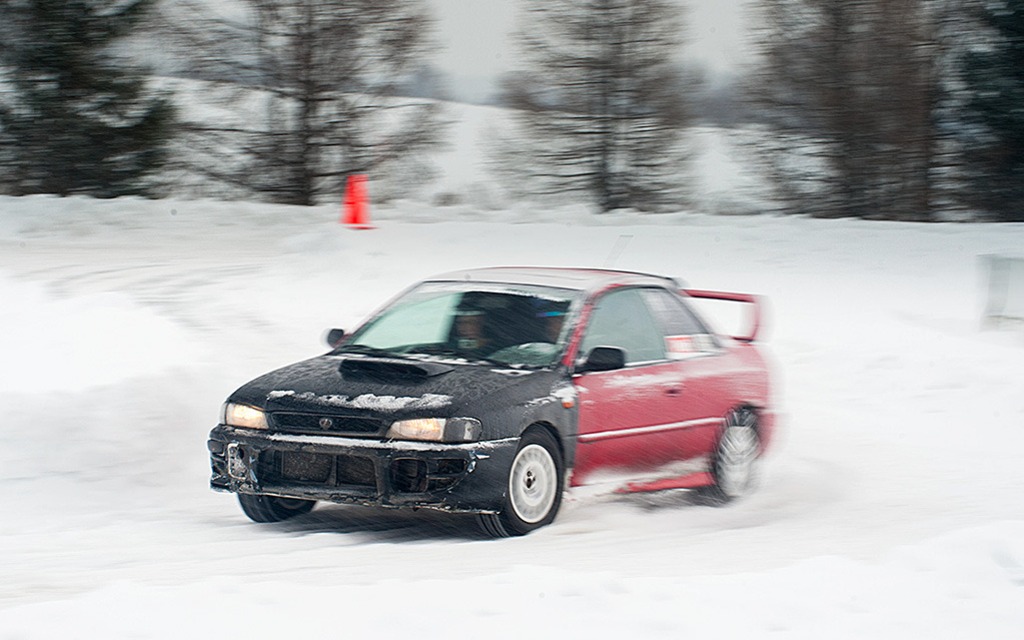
[469, 330]
[552, 317]
[553, 321]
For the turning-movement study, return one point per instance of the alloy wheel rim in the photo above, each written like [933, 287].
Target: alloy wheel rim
[532, 483]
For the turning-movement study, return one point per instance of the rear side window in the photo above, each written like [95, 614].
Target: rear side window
[673, 315]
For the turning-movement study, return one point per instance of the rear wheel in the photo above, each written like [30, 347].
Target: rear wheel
[735, 464]
[534, 490]
[273, 508]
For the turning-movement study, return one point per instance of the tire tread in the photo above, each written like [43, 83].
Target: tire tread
[264, 509]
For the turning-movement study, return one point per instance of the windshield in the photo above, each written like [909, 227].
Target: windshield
[511, 325]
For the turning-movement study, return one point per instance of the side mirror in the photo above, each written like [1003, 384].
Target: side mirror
[334, 338]
[604, 359]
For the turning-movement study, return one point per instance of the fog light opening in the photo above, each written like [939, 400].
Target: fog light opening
[450, 466]
[409, 475]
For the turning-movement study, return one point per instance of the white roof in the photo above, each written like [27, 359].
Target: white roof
[581, 279]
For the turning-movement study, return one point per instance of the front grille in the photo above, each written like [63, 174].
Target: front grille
[355, 470]
[306, 467]
[319, 423]
[326, 469]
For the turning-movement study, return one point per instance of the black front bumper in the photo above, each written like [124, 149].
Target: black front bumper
[470, 478]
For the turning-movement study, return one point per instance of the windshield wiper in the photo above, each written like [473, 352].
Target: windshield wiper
[364, 349]
[437, 350]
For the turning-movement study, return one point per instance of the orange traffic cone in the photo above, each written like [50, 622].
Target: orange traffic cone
[356, 211]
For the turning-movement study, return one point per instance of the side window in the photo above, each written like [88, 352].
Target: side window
[683, 331]
[622, 319]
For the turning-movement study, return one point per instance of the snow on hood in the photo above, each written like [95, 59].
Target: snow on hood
[369, 401]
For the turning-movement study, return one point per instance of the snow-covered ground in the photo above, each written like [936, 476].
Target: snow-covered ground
[892, 506]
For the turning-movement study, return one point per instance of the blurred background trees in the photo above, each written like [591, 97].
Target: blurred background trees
[600, 105]
[73, 118]
[894, 109]
[321, 79]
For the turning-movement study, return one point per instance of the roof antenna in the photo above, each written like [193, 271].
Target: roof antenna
[620, 246]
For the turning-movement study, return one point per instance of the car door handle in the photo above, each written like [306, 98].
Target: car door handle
[675, 390]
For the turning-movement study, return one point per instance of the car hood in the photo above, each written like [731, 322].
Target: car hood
[394, 388]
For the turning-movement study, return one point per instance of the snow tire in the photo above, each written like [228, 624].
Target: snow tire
[533, 493]
[735, 465]
[273, 508]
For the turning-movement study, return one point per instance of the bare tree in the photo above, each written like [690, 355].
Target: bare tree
[600, 106]
[849, 91]
[325, 76]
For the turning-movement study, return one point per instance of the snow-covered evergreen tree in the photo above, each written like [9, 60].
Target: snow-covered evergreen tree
[994, 79]
[72, 118]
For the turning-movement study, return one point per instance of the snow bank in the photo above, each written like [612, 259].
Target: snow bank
[88, 384]
[80, 342]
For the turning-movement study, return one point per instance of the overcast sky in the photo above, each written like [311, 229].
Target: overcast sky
[476, 47]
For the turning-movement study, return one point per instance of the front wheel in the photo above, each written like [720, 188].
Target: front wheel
[534, 490]
[735, 464]
[273, 508]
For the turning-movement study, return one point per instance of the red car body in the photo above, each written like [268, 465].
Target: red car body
[640, 421]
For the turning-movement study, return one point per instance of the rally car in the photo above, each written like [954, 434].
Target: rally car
[491, 391]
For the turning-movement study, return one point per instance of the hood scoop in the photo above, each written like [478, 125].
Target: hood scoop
[388, 369]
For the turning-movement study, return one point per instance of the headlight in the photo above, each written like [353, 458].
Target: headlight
[242, 415]
[436, 429]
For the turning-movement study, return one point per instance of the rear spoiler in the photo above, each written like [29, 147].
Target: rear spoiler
[755, 308]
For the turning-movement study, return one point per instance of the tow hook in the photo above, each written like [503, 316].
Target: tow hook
[238, 469]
